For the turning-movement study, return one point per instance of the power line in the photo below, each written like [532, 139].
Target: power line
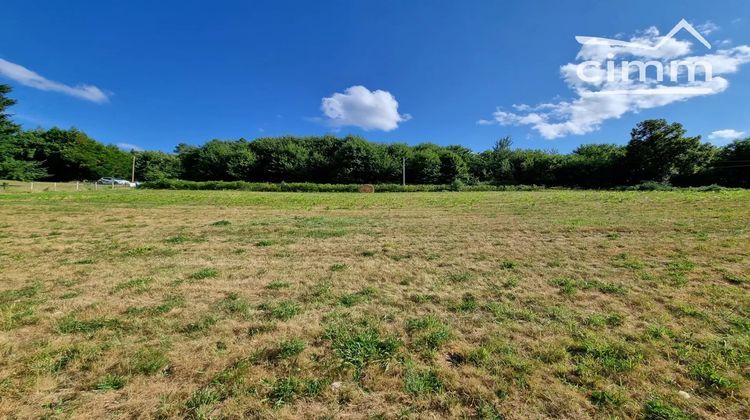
[728, 167]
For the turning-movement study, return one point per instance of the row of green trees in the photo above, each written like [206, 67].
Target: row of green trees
[657, 151]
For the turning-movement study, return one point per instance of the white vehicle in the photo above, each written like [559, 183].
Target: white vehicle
[115, 181]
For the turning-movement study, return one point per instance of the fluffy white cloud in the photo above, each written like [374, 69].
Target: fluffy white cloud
[727, 134]
[600, 98]
[29, 78]
[360, 107]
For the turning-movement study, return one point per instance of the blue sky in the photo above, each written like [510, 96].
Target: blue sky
[154, 74]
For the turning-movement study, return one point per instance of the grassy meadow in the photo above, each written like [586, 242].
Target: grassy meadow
[227, 304]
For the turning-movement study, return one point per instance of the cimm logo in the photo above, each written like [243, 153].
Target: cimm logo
[636, 68]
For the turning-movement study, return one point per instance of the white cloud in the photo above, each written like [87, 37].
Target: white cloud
[29, 78]
[726, 135]
[128, 147]
[599, 98]
[360, 107]
[707, 27]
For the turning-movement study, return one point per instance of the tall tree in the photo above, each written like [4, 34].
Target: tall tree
[732, 166]
[452, 167]
[154, 165]
[17, 157]
[593, 166]
[280, 159]
[424, 166]
[497, 162]
[7, 126]
[659, 151]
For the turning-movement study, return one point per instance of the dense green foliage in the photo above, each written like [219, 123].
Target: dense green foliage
[658, 152]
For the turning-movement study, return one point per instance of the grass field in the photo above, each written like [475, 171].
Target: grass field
[199, 304]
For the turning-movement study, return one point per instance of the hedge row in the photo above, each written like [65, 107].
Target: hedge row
[178, 184]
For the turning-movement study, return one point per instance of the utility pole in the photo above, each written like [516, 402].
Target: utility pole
[403, 171]
[132, 173]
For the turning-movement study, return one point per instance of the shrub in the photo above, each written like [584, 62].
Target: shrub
[650, 186]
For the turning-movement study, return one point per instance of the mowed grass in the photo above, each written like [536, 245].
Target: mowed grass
[548, 304]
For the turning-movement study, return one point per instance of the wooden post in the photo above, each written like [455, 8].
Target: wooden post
[78, 186]
[54, 186]
[32, 187]
[403, 171]
[132, 174]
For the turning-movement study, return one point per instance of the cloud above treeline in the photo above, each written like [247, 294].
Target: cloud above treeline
[360, 107]
[26, 77]
[726, 135]
[589, 109]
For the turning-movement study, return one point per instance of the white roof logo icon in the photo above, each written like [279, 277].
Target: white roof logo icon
[683, 24]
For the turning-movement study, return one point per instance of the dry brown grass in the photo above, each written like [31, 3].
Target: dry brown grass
[518, 304]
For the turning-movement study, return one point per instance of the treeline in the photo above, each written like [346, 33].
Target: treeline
[657, 152]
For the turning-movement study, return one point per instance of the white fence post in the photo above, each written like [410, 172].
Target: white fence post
[32, 187]
[77, 187]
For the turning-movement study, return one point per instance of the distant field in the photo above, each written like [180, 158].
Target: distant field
[226, 304]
